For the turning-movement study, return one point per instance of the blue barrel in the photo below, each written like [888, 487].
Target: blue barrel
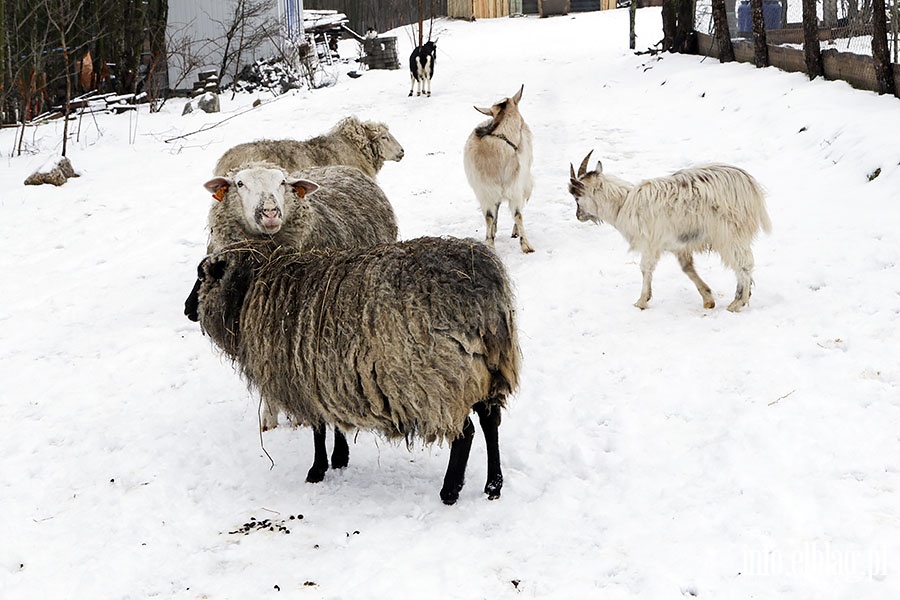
[771, 15]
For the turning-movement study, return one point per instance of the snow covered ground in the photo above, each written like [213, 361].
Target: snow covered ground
[675, 452]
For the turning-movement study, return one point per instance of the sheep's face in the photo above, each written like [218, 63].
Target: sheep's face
[223, 280]
[387, 145]
[261, 195]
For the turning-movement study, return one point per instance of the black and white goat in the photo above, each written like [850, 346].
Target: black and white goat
[421, 68]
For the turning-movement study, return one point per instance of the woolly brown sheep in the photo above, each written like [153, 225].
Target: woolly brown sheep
[403, 339]
[365, 145]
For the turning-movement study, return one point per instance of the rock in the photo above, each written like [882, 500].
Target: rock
[208, 102]
[55, 173]
[188, 109]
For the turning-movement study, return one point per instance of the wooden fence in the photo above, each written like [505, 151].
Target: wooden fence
[855, 69]
[381, 15]
[477, 9]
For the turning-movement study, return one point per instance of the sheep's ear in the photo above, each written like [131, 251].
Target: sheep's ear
[302, 187]
[218, 187]
[518, 95]
[484, 111]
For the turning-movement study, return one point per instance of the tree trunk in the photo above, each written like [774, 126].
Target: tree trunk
[632, 14]
[811, 49]
[760, 49]
[884, 71]
[678, 26]
[723, 35]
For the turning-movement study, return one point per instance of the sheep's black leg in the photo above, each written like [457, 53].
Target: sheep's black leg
[456, 469]
[320, 462]
[489, 418]
[340, 456]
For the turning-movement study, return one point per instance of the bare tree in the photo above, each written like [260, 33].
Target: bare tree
[723, 35]
[884, 71]
[678, 26]
[250, 25]
[760, 48]
[811, 49]
[63, 16]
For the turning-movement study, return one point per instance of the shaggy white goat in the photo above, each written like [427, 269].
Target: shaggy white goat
[497, 160]
[715, 207]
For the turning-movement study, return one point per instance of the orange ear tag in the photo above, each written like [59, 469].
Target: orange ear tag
[220, 193]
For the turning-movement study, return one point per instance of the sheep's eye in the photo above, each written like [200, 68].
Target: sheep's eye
[240, 184]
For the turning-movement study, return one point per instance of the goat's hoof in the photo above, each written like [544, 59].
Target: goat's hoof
[709, 304]
[526, 247]
[736, 306]
[641, 305]
[410, 94]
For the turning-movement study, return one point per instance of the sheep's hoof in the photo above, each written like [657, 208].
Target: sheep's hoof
[492, 488]
[709, 304]
[316, 474]
[449, 495]
[340, 458]
[526, 247]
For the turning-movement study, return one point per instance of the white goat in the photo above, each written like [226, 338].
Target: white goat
[497, 160]
[715, 207]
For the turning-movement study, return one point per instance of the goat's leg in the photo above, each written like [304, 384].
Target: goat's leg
[340, 455]
[741, 260]
[489, 418]
[320, 460]
[648, 264]
[490, 224]
[456, 468]
[686, 260]
[428, 85]
[519, 232]
[269, 417]
[412, 84]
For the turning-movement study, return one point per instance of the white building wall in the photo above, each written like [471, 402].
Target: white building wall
[198, 26]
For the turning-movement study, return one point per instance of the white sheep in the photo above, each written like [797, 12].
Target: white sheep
[497, 160]
[340, 208]
[365, 145]
[717, 208]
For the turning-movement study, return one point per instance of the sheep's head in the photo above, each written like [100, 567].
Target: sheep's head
[501, 110]
[223, 280]
[385, 145]
[587, 187]
[261, 194]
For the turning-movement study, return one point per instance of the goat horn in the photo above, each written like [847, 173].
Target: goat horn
[571, 171]
[583, 168]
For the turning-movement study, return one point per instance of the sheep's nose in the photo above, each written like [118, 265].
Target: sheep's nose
[270, 212]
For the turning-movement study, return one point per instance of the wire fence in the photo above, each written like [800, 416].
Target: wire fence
[845, 30]
[846, 25]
